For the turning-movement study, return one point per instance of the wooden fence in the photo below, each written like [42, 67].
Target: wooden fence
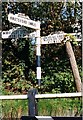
[41, 96]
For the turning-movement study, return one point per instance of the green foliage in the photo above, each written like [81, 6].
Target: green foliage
[14, 67]
[59, 82]
[17, 109]
[71, 38]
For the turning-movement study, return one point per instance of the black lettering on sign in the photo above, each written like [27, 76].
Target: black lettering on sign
[61, 37]
[45, 38]
[25, 21]
[54, 37]
[33, 24]
[12, 18]
[21, 20]
[50, 38]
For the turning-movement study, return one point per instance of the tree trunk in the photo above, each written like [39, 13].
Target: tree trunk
[74, 66]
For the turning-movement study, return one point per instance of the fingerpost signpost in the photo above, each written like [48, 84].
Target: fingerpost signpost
[23, 20]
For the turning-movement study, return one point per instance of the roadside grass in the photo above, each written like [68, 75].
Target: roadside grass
[60, 107]
[14, 108]
[46, 107]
